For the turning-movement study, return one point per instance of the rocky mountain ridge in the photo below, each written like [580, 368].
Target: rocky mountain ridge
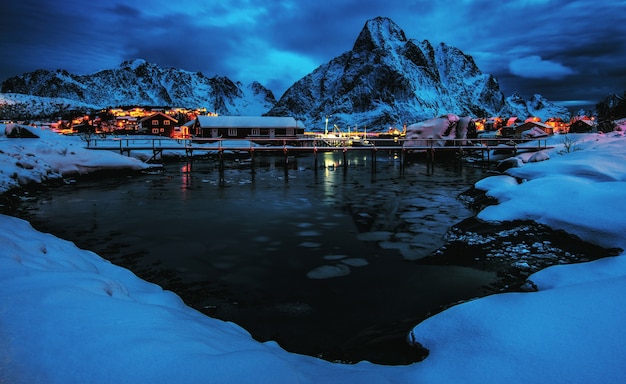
[384, 80]
[387, 79]
[138, 82]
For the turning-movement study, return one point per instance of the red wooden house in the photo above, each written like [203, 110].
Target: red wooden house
[158, 124]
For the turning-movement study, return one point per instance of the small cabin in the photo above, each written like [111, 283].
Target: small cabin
[517, 130]
[247, 127]
[158, 124]
[581, 126]
[514, 120]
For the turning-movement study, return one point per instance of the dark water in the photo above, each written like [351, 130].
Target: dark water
[317, 259]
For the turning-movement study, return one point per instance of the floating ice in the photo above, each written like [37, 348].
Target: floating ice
[334, 257]
[328, 271]
[392, 245]
[309, 233]
[310, 244]
[404, 236]
[355, 262]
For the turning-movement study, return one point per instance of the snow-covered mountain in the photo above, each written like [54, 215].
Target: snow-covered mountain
[389, 80]
[385, 80]
[536, 106]
[138, 82]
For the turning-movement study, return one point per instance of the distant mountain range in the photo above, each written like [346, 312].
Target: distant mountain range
[385, 80]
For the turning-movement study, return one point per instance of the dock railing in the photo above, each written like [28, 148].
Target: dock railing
[127, 144]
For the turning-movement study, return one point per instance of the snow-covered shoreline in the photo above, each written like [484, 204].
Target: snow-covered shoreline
[67, 315]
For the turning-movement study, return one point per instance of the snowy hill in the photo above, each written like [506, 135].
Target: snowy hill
[138, 82]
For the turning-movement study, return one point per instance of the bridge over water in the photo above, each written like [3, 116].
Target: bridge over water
[292, 146]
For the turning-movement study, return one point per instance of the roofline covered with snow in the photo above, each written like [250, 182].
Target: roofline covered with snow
[247, 122]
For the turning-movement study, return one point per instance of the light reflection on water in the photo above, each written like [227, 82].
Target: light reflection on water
[307, 257]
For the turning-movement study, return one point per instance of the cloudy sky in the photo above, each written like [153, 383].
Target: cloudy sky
[568, 51]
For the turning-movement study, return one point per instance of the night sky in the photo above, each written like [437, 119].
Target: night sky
[573, 52]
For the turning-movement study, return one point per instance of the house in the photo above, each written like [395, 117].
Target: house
[126, 123]
[83, 128]
[581, 126]
[491, 124]
[247, 127]
[516, 131]
[558, 124]
[513, 121]
[158, 124]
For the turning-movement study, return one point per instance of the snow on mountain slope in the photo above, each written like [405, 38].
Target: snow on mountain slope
[138, 82]
[387, 79]
[536, 106]
[384, 80]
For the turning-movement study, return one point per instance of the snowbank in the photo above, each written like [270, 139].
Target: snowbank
[51, 156]
[69, 316]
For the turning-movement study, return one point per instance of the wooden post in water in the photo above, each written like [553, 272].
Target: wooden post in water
[286, 162]
[430, 159]
[252, 159]
[374, 150]
[220, 155]
[430, 155]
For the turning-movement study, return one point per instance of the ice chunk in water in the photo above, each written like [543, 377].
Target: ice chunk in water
[355, 262]
[328, 271]
[309, 233]
[310, 244]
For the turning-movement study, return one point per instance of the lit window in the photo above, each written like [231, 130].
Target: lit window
[166, 122]
[155, 130]
[155, 122]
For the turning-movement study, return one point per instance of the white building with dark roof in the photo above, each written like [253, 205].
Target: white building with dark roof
[247, 127]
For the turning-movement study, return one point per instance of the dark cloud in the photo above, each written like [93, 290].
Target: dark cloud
[564, 50]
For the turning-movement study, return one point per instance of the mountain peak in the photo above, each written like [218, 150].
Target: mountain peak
[133, 64]
[378, 33]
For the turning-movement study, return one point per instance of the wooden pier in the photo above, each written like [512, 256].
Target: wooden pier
[293, 146]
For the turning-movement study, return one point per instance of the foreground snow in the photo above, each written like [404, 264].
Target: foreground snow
[67, 315]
